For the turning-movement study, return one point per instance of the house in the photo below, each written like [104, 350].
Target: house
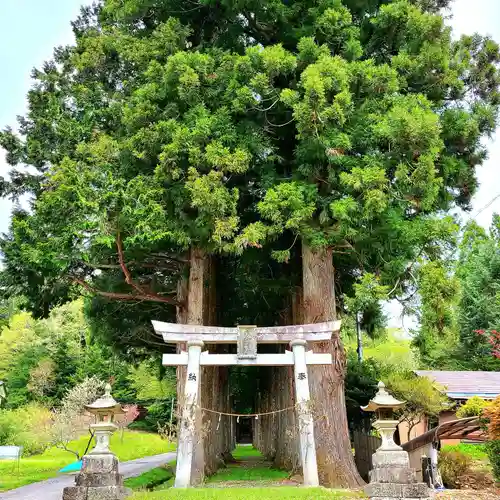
[459, 386]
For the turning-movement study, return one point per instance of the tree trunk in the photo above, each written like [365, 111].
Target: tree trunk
[335, 460]
[213, 437]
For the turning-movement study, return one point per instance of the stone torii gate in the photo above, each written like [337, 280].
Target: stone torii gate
[247, 338]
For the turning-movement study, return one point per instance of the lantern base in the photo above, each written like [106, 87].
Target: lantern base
[392, 478]
[99, 479]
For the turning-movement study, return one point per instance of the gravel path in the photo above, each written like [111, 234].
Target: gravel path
[51, 489]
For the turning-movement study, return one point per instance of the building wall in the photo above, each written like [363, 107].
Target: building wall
[419, 429]
[447, 416]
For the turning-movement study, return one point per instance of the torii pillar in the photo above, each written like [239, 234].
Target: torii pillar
[246, 339]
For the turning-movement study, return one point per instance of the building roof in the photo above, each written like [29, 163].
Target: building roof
[464, 385]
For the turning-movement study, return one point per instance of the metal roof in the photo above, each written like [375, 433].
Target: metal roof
[464, 385]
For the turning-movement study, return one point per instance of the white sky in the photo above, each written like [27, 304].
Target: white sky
[30, 29]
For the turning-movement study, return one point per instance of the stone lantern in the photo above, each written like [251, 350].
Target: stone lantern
[391, 477]
[99, 478]
[384, 405]
[105, 408]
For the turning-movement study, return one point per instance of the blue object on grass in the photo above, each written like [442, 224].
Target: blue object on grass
[74, 467]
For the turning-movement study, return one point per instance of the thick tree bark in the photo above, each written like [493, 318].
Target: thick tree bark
[335, 460]
[199, 297]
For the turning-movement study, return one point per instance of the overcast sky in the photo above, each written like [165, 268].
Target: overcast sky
[30, 29]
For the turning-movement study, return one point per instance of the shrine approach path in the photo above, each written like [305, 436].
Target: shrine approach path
[52, 489]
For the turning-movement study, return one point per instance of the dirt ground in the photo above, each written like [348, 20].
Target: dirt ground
[492, 494]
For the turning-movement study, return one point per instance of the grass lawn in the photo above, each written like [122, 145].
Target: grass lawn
[249, 465]
[150, 479]
[280, 493]
[44, 466]
[475, 451]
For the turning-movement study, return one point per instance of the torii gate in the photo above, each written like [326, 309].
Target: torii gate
[246, 338]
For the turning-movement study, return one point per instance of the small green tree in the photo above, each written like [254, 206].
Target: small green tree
[438, 290]
[422, 398]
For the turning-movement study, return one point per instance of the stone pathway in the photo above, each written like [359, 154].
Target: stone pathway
[51, 489]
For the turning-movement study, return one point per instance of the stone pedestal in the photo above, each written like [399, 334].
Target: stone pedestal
[98, 480]
[393, 479]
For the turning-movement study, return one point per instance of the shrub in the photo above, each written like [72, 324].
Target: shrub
[493, 450]
[453, 465]
[492, 413]
[473, 407]
[70, 421]
[27, 426]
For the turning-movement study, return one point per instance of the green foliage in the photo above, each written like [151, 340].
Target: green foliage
[453, 465]
[493, 450]
[479, 307]
[473, 407]
[240, 126]
[421, 396]
[360, 383]
[368, 295]
[27, 427]
[42, 359]
[145, 380]
[460, 304]
[389, 351]
[46, 359]
[438, 291]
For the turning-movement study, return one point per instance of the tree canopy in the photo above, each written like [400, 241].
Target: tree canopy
[290, 143]
[228, 125]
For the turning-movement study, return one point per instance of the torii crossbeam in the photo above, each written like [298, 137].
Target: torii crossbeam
[246, 338]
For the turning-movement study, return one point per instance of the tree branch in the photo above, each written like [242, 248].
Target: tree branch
[154, 297]
[64, 446]
[126, 272]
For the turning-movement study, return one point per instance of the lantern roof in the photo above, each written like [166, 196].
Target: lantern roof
[105, 403]
[383, 400]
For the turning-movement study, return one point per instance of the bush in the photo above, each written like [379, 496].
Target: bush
[493, 450]
[27, 426]
[453, 465]
[492, 414]
[473, 407]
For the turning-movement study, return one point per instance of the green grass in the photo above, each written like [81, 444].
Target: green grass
[235, 472]
[150, 479]
[280, 493]
[475, 451]
[249, 466]
[44, 466]
[242, 452]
